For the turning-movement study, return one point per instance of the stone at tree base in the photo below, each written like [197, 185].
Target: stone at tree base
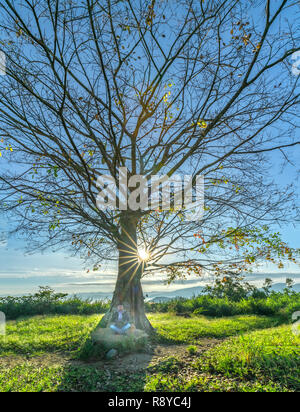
[111, 354]
[132, 341]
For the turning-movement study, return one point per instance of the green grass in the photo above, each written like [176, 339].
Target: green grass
[44, 334]
[271, 355]
[68, 333]
[39, 354]
[29, 378]
[177, 329]
[205, 383]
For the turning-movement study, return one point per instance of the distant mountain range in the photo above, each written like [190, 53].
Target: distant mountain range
[185, 293]
[279, 287]
[190, 292]
[168, 295]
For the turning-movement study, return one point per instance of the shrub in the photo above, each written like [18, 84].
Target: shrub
[276, 304]
[192, 350]
[46, 301]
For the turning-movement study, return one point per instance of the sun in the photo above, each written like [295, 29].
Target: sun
[143, 254]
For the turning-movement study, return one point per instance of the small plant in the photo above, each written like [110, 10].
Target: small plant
[289, 286]
[192, 350]
[267, 286]
[91, 350]
[169, 365]
[230, 285]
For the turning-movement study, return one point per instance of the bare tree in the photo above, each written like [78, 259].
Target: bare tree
[160, 87]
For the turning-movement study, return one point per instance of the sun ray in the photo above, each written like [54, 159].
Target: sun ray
[128, 235]
[129, 253]
[128, 246]
[132, 276]
[137, 263]
[129, 261]
[133, 254]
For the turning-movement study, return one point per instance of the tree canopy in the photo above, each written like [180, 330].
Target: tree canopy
[160, 87]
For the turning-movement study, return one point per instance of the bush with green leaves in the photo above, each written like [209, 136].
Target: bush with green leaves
[281, 304]
[259, 302]
[46, 301]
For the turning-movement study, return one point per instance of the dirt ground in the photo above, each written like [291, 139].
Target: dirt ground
[139, 361]
[128, 362]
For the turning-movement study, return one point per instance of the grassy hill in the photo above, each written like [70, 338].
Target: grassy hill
[239, 353]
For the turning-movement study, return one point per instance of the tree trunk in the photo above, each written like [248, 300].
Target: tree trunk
[128, 290]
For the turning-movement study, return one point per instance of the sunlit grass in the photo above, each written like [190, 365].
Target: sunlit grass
[271, 354]
[39, 354]
[41, 334]
[181, 330]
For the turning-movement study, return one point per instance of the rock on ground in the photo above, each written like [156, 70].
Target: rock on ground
[112, 353]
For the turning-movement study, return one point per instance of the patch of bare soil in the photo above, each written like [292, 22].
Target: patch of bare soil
[153, 355]
[130, 362]
[45, 360]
